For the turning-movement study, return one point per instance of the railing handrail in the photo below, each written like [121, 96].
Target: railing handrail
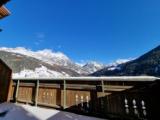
[112, 78]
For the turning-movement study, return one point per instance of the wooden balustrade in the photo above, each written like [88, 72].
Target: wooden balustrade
[98, 97]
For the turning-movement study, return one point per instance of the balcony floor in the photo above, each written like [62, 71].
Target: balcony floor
[11, 111]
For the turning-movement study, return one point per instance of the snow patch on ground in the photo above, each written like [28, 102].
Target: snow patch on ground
[25, 112]
[40, 113]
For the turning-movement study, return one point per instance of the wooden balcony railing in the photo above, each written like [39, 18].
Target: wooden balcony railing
[102, 96]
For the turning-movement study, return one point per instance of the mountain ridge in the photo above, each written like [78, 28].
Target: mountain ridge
[21, 59]
[147, 64]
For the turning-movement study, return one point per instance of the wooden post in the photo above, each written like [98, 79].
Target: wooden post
[102, 83]
[94, 105]
[64, 94]
[17, 88]
[36, 92]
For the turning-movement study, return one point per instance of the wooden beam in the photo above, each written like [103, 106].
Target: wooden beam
[117, 86]
[36, 92]
[102, 82]
[17, 87]
[64, 94]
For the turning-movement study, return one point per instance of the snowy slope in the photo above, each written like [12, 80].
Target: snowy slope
[39, 73]
[93, 66]
[116, 65]
[48, 56]
[45, 55]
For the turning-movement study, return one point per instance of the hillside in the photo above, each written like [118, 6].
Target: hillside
[147, 64]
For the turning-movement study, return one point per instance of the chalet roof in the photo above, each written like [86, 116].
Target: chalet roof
[3, 12]
[2, 2]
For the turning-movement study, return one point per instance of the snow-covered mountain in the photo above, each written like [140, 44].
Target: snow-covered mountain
[47, 56]
[117, 64]
[146, 64]
[26, 64]
[93, 66]
[43, 63]
[114, 66]
[47, 63]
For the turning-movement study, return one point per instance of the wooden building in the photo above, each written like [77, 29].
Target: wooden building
[2, 2]
[5, 82]
[5, 71]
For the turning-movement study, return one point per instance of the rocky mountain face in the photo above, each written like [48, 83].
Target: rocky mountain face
[44, 63]
[147, 64]
[21, 63]
[92, 67]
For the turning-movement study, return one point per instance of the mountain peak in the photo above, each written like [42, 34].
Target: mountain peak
[45, 55]
[93, 66]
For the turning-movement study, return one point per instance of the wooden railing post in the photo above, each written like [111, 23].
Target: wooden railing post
[17, 88]
[36, 92]
[64, 94]
[102, 83]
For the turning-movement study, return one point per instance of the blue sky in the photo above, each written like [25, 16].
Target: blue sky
[100, 30]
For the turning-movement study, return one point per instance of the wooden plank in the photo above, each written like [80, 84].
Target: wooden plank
[25, 94]
[102, 83]
[76, 97]
[64, 95]
[118, 86]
